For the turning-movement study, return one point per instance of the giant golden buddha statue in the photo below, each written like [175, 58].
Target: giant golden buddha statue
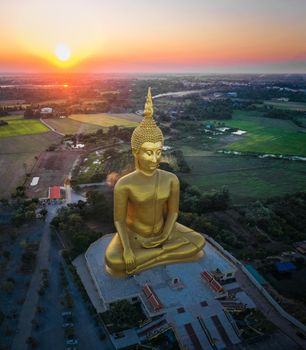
[146, 205]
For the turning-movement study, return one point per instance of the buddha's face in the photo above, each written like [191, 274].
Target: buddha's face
[148, 157]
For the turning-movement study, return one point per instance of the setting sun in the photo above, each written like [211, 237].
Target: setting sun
[62, 52]
[195, 36]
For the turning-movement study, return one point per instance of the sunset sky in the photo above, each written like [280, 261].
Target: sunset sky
[213, 36]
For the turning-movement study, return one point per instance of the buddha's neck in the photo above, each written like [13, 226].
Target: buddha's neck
[146, 173]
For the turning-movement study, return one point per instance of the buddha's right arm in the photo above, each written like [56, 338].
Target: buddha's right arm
[120, 212]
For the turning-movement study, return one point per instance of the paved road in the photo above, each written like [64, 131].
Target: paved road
[50, 334]
[87, 332]
[29, 307]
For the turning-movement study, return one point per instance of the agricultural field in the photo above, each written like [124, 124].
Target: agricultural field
[17, 158]
[247, 178]
[292, 106]
[69, 126]
[265, 135]
[52, 168]
[17, 127]
[53, 102]
[127, 120]
[12, 117]
[88, 123]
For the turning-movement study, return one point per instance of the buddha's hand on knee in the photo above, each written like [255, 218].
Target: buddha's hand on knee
[129, 259]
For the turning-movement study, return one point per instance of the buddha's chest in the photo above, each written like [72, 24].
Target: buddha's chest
[150, 193]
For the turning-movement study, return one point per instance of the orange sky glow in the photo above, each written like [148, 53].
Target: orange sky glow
[146, 36]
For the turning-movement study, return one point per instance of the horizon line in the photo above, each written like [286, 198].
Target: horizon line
[151, 73]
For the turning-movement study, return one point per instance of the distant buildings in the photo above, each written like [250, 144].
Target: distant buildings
[55, 192]
[78, 146]
[34, 181]
[231, 94]
[46, 111]
[301, 247]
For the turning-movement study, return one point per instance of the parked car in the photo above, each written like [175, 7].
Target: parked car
[66, 313]
[72, 342]
[68, 324]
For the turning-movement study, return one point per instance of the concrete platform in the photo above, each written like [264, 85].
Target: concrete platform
[193, 305]
[112, 288]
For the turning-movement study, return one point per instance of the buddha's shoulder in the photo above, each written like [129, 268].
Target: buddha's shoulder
[166, 174]
[125, 180]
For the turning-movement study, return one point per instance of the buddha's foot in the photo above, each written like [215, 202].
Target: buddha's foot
[177, 243]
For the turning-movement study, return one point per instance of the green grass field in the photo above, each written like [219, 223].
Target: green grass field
[107, 120]
[22, 127]
[247, 178]
[266, 135]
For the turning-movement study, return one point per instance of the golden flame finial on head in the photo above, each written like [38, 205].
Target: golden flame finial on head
[148, 110]
[147, 130]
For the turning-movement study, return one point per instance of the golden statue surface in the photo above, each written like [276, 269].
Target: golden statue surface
[146, 205]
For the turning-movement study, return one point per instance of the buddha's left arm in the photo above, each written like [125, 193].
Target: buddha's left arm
[173, 207]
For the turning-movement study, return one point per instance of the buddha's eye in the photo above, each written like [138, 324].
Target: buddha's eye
[149, 153]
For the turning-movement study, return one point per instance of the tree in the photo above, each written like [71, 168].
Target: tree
[7, 254]
[35, 323]
[98, 204]
[123, 313]
[2, 317]
[32, 342]
[8, 286]
[3, 123]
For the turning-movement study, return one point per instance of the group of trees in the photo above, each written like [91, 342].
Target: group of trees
[123, 315]
[281, 218]
[71, 221]
[296, 116]
[181, 164]
[25, 212]
[6, 110]
[255, 92]
[113, 134]
[260, 223]
[199, 109]
[31, 113]
[195, 201]
[71, 224]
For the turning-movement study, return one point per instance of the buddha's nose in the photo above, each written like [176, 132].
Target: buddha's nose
[154, 158]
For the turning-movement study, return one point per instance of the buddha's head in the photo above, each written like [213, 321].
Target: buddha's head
[147, 141]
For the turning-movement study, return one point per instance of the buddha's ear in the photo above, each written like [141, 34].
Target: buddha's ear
[134, 152]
